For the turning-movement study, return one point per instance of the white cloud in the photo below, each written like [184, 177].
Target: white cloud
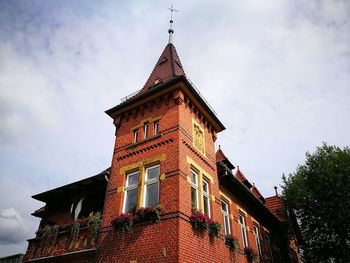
[277, 73]
[12, 228]
[25, 96]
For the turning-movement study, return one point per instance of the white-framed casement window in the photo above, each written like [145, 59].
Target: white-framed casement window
[131, 192]
[146, 130]
[225, 217]
[257, 238]
[136, 135]
[206, 200]
[156, 128]
[243, 229]
[194, 189]
[151, 193]
[268, 244]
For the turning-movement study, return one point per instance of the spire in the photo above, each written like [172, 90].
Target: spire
[171, 30]
[167, 68]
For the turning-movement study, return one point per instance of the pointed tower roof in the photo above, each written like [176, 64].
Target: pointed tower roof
[257, 194]
[167, 68]
[221, 157]
[240, 176]
[167, 72]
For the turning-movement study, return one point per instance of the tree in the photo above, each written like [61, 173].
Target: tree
[317, 195]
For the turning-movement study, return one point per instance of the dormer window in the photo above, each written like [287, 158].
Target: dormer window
[156, 128]
[136, 135]
[145, 130]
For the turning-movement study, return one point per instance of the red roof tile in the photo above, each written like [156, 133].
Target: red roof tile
[221, 157]
[276, 206]
[256, 193]
[240, 176]
[167, 68]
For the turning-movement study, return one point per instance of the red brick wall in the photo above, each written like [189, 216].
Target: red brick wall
[147, 243]
[172, 239]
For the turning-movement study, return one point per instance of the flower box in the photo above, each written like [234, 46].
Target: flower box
[123, 222]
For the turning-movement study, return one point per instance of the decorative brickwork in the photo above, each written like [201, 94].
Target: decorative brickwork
[174, 164]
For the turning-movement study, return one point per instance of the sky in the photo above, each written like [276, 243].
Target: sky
[277, 72]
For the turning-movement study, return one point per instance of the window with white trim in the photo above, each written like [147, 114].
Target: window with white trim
[136, 135]
[206, 200]
[243, 229]
[225, 217]
[151, 195]
[194, 189]
[131, 192]
[257, 238]
[268, 244]
[156, 128]
[145, 130]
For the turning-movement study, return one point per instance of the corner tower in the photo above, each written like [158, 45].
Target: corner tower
[163, 154]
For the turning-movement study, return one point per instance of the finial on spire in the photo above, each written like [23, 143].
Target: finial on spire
[171, 30]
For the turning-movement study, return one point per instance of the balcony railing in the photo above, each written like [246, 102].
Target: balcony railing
[192, 84]
[62, 241]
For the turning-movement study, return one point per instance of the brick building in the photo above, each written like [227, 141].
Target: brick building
[164, 154]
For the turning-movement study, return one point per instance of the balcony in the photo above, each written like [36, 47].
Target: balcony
[61, 240]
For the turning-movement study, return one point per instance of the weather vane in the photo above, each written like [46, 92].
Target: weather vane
[171, 30]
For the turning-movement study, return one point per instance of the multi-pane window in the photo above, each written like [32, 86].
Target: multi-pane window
[268, 245]
[145, 130]
[136, 135]
[243, 229]
[156, 128]
[206, 203]
[257, 238]
[131, 192]
[194, 189]
[151, 186]
[226, 217]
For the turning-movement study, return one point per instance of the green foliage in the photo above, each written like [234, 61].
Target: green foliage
[50, 233]
[250, 253]
[214, 228]
[75, 230]
[231, 242]
[94, 224]
[318, 200]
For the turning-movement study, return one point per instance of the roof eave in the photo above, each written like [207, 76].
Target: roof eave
[155, 89]
[251, 196]
[44, 196]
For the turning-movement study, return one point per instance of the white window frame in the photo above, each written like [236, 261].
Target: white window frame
[268, 243]
[136, 135]
[225, 214]
[194, 185]
[156, 128]
[206, 196]
[129, 188]
[149, 182]
[146, 130]
[243, 229]
[257, 238]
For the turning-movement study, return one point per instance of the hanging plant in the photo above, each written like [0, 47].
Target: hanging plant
[94, 224]
[250, 253]
[123, 222]
[214, 228]
[50, 233]
[199, 220]
[75, 230]
[231, 242]
[146, 214]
